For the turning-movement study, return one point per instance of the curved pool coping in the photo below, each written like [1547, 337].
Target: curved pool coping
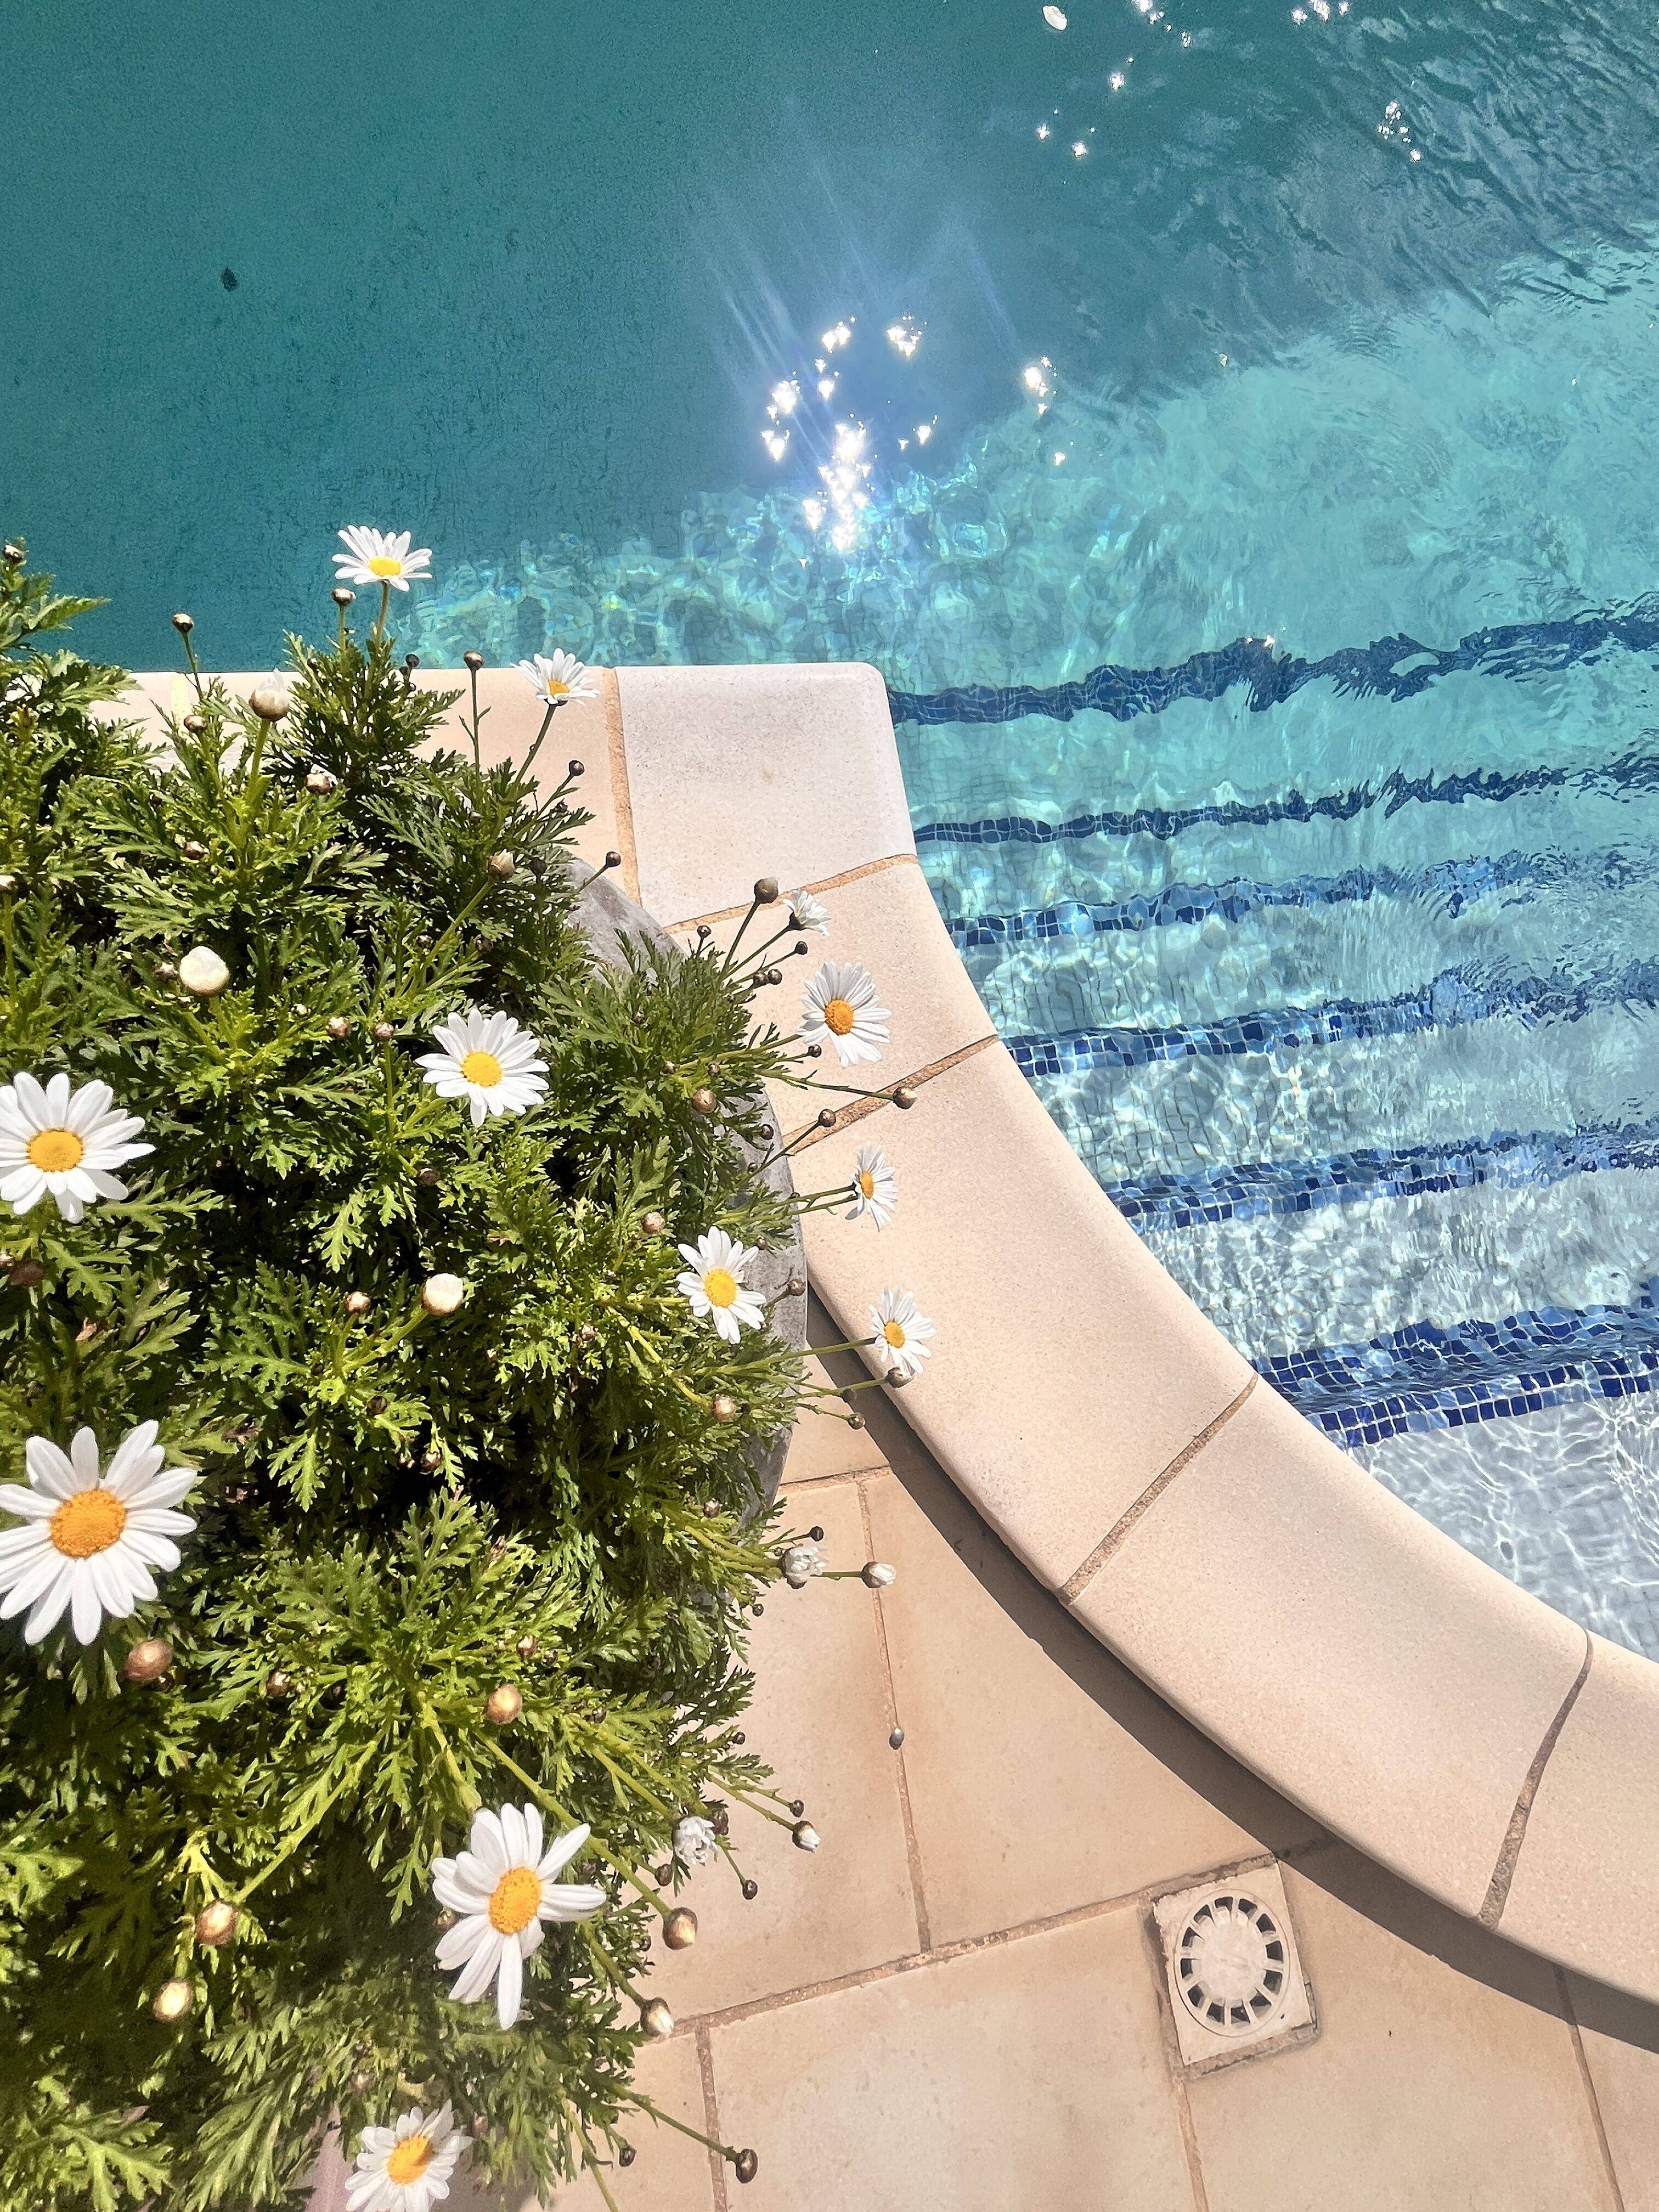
[1413, 1701]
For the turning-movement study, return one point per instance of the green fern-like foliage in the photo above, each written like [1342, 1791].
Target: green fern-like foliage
[398, 1511]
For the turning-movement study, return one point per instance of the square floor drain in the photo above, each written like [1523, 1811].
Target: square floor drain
[1235, 1984]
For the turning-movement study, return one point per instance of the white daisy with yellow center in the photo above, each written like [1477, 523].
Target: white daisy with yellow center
[406, 2167]
[379, 557]
[902, 1334]
[558, 677]
[89, 1539]
[874, 1187]
[487, 1060]
[503, 1888]
[63, 1143]
[840, 1004]
[712, 1282]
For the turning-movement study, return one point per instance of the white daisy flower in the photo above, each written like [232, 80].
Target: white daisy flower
[376, 557]
[487, 1060]
[901, 1331]
[88, 1540]
[406, 2167]
[712, 1282]
[800, 1562]
[840, 1004]
[874, 1187]
[808, 913]
[556, 677]
[63, 1141]
[694, 1839]
[502, 1887]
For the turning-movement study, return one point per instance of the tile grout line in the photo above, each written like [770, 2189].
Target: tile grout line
[1508, 1856]
[1589, 2080]
[804, 1482]
[825, 884]
[1075, 1586]
[802, 1139]
[1173, 2070]
[711, 2115]
[912, 1842]
[622, 797]
[962, 1947]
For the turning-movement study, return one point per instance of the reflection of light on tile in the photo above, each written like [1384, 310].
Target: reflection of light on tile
[1059, 458]
[924, 432]
[904, 336]
[840, 336]
[1117, 80]
[849, 441]
[826, 386]
[785, 395]
[777, 443]
[1034, 377]
[1042, 131]
[813, 510]
[1054, 18]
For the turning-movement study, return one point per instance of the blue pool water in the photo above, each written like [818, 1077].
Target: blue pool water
[1227, 427]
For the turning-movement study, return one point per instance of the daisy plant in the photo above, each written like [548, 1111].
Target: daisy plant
[384, 1348]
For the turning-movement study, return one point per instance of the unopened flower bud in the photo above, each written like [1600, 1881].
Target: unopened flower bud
[202, 973]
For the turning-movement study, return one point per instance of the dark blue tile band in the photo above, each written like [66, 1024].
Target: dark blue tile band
[1392, 667]
[1453, 999]
[1634, 772]
[1263, 1189]
[1426, 1376]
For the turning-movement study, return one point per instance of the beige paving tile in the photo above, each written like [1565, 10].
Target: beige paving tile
[823, 1445]
[1028, 1795]
[1427, 2089]
[820, 1720]
[1621, 2050]
[1583, 1887]
[670, 2172]
[737, 773]
[1331, 1639]
[1068, 1369]
[888, 921]
[1029, 2074]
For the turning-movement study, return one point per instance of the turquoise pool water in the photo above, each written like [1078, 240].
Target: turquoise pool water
[1304, 353]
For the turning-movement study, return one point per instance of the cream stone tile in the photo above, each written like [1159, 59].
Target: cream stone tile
[737, 773]
[1332, 1640]
[1426, 2089]
[819, 1720]
[823, 1445]
[1028, 1795]
[670, 2172]
[1029, 2074]
[149, 699]
[1068, 1371]
[1621, 2050]
[1583, 1887]
[887, 920]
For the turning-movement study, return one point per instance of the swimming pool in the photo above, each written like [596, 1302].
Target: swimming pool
[1226, 428]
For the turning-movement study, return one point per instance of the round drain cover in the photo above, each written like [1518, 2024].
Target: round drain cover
[1230, 1963]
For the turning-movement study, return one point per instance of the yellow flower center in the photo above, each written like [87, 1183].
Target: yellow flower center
[87, 1524]
[838, 1017]
[894, 1332]
[481, 1069]
[555, 690]
[409, 2159]
[515, 1900]
[52, 1151]
[867, 1182]
[720, 1287]
[384, 565]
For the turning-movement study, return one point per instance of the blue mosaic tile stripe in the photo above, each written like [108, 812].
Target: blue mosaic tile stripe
[1390, 667]
[1634, 772]
[1452, 1001]
[1455, 884]
[1263, 1189]
[1426, 1376]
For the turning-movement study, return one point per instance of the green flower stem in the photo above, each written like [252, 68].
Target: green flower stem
[731, 949]
[590, 2160]
[667, 2119]
[310, 1828]
[523, 768]
[551, 1804]
[379, 630]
